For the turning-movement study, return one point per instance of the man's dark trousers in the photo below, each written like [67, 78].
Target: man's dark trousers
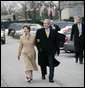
[79, 49]
[51, 68]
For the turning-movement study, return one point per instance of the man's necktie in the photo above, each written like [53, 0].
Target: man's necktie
[79, 29]
[47, 33]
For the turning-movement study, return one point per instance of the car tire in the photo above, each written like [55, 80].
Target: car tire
[3, 42]
[67, 51]
[13, 36]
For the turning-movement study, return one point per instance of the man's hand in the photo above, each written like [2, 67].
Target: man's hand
[71, 42]
[18, 57]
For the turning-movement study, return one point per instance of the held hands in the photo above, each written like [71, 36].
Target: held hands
[38, 40]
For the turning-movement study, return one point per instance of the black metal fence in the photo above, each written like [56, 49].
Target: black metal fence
[7, 23]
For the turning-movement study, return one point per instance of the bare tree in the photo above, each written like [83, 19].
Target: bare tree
[24, 9]
[8, 7]
[60, 7]
[28, 7]
[34, 6]
[3, 8]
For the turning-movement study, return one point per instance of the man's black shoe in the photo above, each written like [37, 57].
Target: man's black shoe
[52, 81]
[81, 63]
[43, 77]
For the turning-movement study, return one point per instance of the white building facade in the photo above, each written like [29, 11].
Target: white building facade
[72, 9]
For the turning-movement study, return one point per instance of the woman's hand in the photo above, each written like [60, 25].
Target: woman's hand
[18, 57]
[38, 40]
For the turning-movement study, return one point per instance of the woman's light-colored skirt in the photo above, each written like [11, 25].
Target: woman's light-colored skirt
[29, 62]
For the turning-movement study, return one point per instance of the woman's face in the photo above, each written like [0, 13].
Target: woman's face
[26, 31]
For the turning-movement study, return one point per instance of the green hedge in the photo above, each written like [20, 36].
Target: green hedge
[7, 23]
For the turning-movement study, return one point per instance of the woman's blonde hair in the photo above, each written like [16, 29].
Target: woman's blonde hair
[27, 26]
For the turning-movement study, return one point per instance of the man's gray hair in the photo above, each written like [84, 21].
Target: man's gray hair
[78, 17]
[48, 20]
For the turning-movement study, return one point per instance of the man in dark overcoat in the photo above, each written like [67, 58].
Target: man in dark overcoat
[60, 36]
[47, 44]
[53, 26]
[77, 34]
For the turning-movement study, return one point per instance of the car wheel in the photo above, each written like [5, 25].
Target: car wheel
[67, 51]
[3, 42]
[13, 35]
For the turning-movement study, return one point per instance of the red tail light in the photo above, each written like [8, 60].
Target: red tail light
[66, 30]
[66, 38]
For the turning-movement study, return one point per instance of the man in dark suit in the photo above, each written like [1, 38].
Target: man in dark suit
[47, 45]
[60, 36]
[78, 33]
[53, 26]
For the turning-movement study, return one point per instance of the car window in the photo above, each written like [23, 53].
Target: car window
[12, 26]
[19, 27]
[63, 24]
[35, 27]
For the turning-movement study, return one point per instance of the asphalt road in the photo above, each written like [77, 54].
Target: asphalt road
[67, 74]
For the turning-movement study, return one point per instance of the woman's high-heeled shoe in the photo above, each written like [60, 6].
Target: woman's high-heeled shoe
[28, 79]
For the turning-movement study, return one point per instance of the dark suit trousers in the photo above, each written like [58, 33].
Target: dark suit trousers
[51, 68]
[79, 50]
[43, 70]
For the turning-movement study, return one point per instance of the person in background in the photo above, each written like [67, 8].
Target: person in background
[78, 34]
[53, 26]
[60, 36]
[26, 47]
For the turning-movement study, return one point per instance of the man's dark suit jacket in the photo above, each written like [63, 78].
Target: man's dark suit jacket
[47, 46]
[75, 33]
[57, 28]
[60, 36]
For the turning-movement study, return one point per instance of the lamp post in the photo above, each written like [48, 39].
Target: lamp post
[59, 11]
[51, 10]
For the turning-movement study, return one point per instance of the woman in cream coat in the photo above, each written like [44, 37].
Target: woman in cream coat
[26, 47]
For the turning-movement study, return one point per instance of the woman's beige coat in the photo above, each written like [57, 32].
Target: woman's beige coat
[26, 47]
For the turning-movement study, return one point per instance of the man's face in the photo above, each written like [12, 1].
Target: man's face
[78, 20]
[51, 22]
[46, 25]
